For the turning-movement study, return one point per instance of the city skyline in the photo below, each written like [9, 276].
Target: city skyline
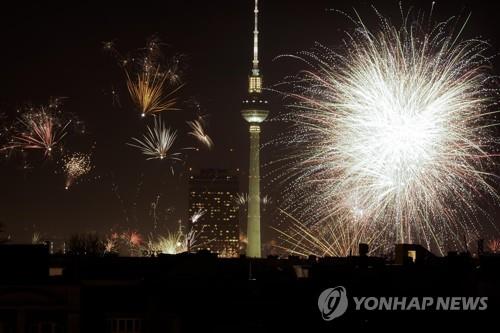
[249, 166]
[121, 187]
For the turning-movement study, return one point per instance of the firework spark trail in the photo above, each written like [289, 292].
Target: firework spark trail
[4, 128]
[115, 97]
[494, 245]
[147, 92]
[151, 82]
[153, 213]
[266, 200]
[241, 199]
[332, 238]
[39, 129]
[36, 238]
[197, 215]
[397, 126]
[174, 242]
[76, 166]
[110, 244]
[198, 131]
[192, 240]
[157, 142]
[174, 72]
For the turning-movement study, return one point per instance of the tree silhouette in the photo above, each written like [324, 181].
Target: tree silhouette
[85, 244]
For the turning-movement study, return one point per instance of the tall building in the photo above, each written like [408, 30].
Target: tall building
[212, 195]
[254, 111]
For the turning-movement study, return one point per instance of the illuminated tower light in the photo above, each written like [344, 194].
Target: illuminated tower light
[254, 113]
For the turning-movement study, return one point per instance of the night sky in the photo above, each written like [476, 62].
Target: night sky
[56, 49]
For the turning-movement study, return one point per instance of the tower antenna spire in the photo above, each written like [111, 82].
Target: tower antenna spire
[255, 62]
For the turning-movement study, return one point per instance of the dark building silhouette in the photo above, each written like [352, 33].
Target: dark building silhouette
[33, 296]
[212, 195]
[411, 253]
[200, 292]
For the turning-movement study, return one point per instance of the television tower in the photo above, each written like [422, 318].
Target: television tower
[254, 111]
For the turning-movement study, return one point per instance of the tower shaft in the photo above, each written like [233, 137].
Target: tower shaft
[254, 112]
[253, 224]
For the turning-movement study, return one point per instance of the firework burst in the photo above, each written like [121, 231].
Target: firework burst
[157, 142]
[174, 243]
[198, 131]
[110, 244]
[151, 82]
[132, 238]
[38, 129]
[76, 166]
[147, 90]
[396, 128]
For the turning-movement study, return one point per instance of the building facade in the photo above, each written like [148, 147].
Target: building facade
[213, 212]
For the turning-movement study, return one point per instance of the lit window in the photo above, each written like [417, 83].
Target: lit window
[255, 84]
[412, 255]
[55, 271]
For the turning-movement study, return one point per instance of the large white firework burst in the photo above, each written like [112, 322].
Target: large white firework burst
[393, 132]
